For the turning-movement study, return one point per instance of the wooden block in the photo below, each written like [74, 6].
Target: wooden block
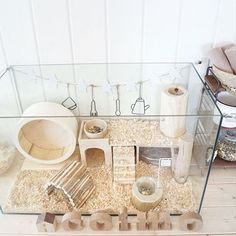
[100, 221]
[190, 221]
[72, 221]
[124, 225]
[46, 222]
[164, 220]
[141, 221]
[152, 220]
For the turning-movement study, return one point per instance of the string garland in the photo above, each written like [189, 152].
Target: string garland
[174, 74]
[139, 107]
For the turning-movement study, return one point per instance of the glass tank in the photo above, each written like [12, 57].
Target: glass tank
[103, 136]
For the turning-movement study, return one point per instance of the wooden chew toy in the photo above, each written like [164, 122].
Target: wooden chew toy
[46, 222]
[190, 221]
[100, 221]
[74, 181]
[124, 225]
[72, 221]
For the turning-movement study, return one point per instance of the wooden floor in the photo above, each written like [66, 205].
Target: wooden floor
[218, 212]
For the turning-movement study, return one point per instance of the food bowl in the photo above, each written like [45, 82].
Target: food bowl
[95, 129]
[146, 193]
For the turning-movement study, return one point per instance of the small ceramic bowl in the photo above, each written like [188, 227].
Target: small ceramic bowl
[95, 128]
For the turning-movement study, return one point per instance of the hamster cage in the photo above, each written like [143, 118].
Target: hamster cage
[103, 136]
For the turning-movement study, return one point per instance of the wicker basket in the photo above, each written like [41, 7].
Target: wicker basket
[227, 80]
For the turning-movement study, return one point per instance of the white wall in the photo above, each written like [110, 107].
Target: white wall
[69, 31]
[78, 31]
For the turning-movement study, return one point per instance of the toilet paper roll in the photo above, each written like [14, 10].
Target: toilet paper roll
[174, 101]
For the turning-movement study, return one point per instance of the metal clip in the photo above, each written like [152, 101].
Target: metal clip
[117, 112]
[93, 109]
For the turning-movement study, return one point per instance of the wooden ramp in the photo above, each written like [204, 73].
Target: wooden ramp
[124, 164]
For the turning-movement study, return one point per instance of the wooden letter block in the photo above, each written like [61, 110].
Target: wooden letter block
[72, 221]
[124, 225]
[152, 220]
[100, 222]
[46, 222]
[190, 221]
[142, 221]
[164, 221]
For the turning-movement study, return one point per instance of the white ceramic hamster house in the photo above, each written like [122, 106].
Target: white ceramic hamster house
[160, 128]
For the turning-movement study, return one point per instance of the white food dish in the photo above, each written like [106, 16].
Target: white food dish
[96, 122]
[146, 202]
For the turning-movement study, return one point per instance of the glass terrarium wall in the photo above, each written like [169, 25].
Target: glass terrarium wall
[142, 152]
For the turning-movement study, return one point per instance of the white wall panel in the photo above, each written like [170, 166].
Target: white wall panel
[78, 33]
[196, 29]
[88, 30]
[124, 30]
[17, 32]
[3, 58]
[160, 29]
[71, 31]
[226, 28]
[51, 25]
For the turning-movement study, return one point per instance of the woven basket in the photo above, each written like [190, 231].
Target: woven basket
[227, 80]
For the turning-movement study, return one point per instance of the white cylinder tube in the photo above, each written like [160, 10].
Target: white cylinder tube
[174, 101]
[183, 160]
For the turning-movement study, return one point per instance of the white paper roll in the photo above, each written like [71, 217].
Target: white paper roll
[174, 101]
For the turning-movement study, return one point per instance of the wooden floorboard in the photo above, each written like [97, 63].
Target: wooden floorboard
[220, 195]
